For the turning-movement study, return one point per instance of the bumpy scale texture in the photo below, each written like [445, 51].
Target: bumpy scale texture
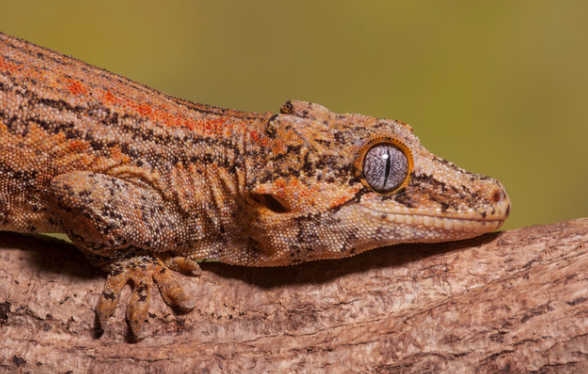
[143, 182]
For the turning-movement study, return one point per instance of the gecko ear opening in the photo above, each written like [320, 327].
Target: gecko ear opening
[270, 202]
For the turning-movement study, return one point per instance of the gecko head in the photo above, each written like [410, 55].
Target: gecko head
[332, 185]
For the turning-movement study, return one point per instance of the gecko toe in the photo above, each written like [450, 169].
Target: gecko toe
[139, 272]
[182, 264]
[171, 291]
[138, 308]
[110, 296]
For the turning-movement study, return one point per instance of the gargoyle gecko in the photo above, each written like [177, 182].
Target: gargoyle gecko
[143, 182]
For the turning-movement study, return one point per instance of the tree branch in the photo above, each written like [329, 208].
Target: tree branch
[515, 301]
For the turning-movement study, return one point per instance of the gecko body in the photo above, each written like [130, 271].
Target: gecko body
[143, 182]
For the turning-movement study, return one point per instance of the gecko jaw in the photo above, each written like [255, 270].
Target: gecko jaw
[470, 226]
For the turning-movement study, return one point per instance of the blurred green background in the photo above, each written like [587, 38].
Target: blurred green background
[499, 88]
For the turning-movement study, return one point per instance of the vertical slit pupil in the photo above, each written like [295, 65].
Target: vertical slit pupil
[388, 165]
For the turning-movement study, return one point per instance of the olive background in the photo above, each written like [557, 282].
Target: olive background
[499, 88]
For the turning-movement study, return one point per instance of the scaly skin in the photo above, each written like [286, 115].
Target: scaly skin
[143, 182]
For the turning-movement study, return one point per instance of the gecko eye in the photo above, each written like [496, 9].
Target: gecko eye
[386, 166]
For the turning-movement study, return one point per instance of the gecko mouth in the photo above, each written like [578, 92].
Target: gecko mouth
[433, 222]
[474, 225]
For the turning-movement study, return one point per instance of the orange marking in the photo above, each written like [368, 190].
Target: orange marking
[144, 110]
[116, 154]
[8, 66]
[109, 98]
[77, 87]
[254, 136]
[78, 145]
[214, 126]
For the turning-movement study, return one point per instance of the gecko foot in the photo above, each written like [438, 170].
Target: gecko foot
[140, 272]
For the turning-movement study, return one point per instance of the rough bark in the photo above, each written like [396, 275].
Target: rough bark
[514, 301]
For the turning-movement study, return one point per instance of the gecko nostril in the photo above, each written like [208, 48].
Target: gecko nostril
[497, 196]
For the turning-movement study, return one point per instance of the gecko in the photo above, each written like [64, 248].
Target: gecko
[144, 183]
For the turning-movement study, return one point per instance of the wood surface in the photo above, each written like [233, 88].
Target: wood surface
[511, 302]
